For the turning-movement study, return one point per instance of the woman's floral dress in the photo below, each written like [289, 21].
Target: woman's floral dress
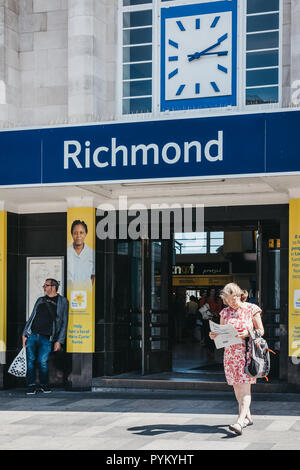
[234, 356]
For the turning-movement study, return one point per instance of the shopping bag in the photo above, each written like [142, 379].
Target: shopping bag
[18, 366]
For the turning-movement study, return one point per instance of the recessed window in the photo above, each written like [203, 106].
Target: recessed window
[198, 242]
[262, 52]
[139, 37]
[137, 58]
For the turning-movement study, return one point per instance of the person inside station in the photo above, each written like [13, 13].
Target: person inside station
[210, 306]
[191, 309]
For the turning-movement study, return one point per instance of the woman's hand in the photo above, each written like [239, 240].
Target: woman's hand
[242, 333]
[213, 335]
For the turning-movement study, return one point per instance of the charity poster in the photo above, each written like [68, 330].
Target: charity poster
[38, 270]
[81, 279]
[3, 284]
[294, 278]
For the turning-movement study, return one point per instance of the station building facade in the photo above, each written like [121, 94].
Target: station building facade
[111, 108]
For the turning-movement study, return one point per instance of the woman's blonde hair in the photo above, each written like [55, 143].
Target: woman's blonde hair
[233, 289]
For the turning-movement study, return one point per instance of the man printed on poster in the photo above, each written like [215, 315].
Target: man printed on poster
[81, 257]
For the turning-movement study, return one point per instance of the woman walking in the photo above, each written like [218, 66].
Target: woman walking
[243, 316]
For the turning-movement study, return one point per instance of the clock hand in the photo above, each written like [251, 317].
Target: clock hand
[197, 55]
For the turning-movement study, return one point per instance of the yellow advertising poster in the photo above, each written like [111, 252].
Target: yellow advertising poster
[294, 278]
[3, 282]
[81, 279]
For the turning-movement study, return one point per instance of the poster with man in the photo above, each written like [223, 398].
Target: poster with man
[80, 279]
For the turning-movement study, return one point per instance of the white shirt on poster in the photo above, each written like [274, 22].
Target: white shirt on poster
[80, 266]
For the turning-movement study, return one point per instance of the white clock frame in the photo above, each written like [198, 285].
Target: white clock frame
[175, 95]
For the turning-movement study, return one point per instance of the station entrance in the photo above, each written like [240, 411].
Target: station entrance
[154, 283]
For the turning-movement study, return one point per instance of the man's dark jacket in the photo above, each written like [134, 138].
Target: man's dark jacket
[60, 324]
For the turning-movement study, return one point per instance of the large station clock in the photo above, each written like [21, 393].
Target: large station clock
[198, 55]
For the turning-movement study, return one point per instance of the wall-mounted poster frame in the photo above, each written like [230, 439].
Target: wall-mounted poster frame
[38, 270]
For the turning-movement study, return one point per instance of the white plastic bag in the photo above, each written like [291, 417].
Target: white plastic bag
[18, 366]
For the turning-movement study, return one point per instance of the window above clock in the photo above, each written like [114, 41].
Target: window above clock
[198, 54]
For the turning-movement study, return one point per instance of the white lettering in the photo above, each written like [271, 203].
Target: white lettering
[219, 144]
[115, 150]
[73, 155]
[144, 149]
[96, 154]
[188, 146]
[121, 155]
[87, 154]
[165, 153]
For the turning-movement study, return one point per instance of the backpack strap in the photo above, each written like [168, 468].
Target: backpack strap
[247, 340]
[246, 349]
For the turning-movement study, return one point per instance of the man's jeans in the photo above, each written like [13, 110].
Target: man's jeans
[38, 348]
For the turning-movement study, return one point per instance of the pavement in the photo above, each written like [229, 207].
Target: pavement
[119, 420]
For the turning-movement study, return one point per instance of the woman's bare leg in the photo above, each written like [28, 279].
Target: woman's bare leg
[243, 394]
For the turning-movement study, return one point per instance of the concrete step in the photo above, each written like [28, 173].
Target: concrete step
[203, 384]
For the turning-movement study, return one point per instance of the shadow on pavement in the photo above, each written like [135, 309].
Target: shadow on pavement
[157, 429]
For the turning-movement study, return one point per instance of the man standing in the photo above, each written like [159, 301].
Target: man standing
[46, 325]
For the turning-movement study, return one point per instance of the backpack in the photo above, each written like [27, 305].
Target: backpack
[259, 363]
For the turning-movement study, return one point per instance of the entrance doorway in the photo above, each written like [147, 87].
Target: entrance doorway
[148, 283]
[204, 263]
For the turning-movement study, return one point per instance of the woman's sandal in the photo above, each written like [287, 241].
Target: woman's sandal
[247, 422]
[237, 428]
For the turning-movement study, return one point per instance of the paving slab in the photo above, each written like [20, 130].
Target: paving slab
[137, 421]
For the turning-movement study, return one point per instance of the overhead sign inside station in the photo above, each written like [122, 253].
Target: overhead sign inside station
[224, 146]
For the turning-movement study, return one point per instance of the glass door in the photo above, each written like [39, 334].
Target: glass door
[157, 293]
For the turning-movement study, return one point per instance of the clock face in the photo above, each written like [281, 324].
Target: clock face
[198, 56]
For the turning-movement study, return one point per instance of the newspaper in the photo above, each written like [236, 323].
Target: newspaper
[227, 335]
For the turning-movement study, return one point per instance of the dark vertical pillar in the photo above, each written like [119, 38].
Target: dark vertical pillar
[80, 379]
[284, 294]
[109, 306]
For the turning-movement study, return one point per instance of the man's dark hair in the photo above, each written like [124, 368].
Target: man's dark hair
[54, 283]
[79, 222]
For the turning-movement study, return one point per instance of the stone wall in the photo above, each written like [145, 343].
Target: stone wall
[58, 60]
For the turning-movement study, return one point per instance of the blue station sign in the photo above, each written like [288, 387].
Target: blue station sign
[245, 145]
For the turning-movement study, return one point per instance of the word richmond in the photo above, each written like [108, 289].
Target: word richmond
[86, 156]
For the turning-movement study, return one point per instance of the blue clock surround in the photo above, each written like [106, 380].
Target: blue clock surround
[199, 9]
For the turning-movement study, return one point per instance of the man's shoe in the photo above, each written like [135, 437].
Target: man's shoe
[31, 390]
[45, 389]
